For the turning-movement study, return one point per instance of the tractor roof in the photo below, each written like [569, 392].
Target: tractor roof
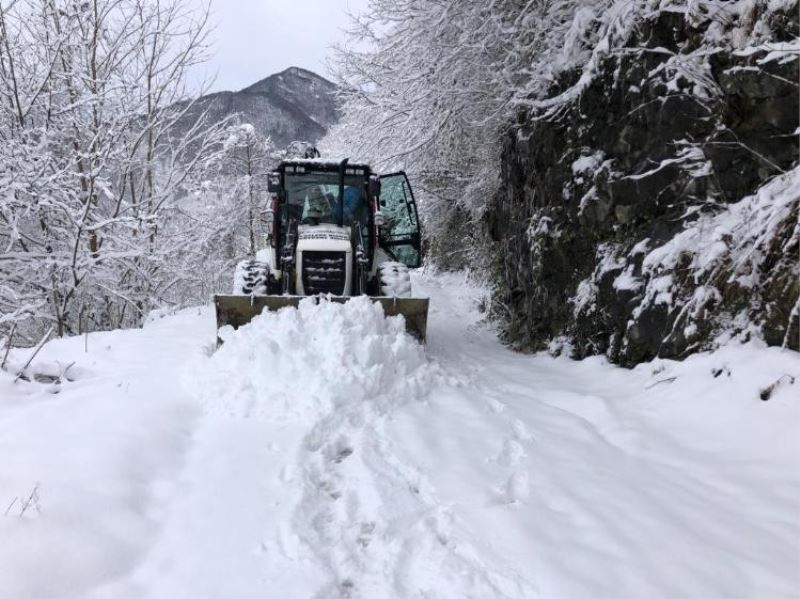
[319, 164]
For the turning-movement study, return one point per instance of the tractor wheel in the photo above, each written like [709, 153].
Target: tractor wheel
[251, 278]
[394, 279]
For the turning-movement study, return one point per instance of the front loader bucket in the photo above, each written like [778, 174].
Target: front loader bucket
[238, 310]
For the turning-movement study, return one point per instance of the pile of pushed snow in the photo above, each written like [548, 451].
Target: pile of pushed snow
[312, 358]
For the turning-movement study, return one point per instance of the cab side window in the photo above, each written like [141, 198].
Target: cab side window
[401, 237]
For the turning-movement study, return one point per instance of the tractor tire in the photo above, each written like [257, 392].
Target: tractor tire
[394, 280]
[251, 278]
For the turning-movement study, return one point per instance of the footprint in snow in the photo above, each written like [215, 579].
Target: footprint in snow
[496, 406]
[339, 451]
[511, 454]
[521, 431]
[365, 533]
[287, 474]
[328, 487]
[517, 488]
[342, 454]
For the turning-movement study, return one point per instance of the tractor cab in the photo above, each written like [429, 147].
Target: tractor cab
[376, 211]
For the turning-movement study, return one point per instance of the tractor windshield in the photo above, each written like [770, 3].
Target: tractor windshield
[312, 198]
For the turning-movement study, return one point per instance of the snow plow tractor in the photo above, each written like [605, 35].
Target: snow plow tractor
[334, 230]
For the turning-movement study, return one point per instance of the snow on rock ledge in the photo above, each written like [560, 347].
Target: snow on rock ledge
[665, 171]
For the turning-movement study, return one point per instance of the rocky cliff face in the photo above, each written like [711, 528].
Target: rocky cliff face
[657, 210]
[292, 105]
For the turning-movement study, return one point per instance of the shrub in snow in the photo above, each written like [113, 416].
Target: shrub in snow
[96, 223]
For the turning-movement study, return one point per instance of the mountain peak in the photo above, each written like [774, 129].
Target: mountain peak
[294, 104]
[303, 90]
[300, 72]
[298, 75]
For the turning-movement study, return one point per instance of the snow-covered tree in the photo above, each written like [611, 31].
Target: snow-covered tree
[545, 133]
[92, 161]
[427, 85]
[227, 207]
[241, 182]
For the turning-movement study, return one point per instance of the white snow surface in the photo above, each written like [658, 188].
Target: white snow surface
[321, 452]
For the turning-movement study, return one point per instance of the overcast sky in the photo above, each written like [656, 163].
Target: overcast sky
[256, 38]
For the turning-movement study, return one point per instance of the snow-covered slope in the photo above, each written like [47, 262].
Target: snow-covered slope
[322, 453]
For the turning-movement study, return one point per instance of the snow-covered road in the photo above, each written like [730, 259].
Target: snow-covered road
[322, 453]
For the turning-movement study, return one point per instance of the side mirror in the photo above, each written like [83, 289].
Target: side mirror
[274, 182]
